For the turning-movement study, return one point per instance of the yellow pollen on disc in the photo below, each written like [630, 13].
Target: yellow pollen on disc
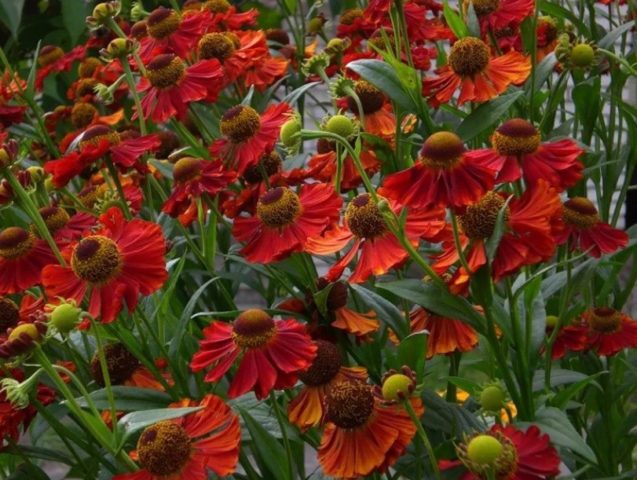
[349, 16]
[96, 259]
[279, 207]
[187, 169]
[82, 114]
[217, 45]
[15, 242]
[579, 212]
[605, 320]
[254, 328]
[349, 403]
[516, 137]
[217, 6]
[49, 54]
[162, 22]
[164, 449]
[479, 220]
[165, 71]
[94, 135]
[469, 56]
[240, 123]
[364, 218]
[442, 150]
[54, 218]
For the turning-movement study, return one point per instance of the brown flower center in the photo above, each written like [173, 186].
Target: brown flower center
[253, 329]
[240, 123]
[217, 6]
[85, 86]
[82, 114]
[349, 16]
[164, 449]
[162, 22]
[217, 45]
[364, 218]
[349, 403]
[604, 319]
[94, 135]
[516, 137]
[139, 30]
[442, 150]
[503, 466]
[96, 259]
[54, 217]
[372, 99]
[479, 220]
[579, 212]
[271, 163]
[9, 314]
[187, 169]
[165, 70]
[88, 66]
[277, 35]
[469, 56]
[88, 196]
[15, 242]
[49, 54]
[279, 207]
[325, 366]
[120, 364]
[485, 7]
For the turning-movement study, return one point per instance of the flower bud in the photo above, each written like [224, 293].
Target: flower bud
[492, 398]
[582, 55]
[552, 321]
[117, 48]
[102, 13]
[340, 125]
[65, 316]
[397, 387]
[290, 133]
[37, 174]
[484, 449]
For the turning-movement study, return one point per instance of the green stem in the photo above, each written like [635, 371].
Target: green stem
[423, 437]
[132, 87]
[120, 189]
[284, 434]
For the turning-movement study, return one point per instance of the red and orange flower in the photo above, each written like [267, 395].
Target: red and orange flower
[446, 335]
[609, 331]
[285, 220]
[187, 448]
[113, 265]
[476, 73]
[168, 32]
[271, 352]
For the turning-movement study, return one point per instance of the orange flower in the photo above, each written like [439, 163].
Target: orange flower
[307, 409]
[446, 335]
[379, 119]
[271, 352]
[609, 331]
[284, 221]
[168, 32]
[363, 435]
[447, 175]
[479, 76]
[186, 448]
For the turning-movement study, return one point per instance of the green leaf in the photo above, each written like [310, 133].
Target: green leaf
[266, 447]
[454, 21]
[261, 412]
[11, 15]
[609, 39]
[412, 352]
[559, 376]
[447, 417]
[469, 386]
[135, 421]
[320, 299]
[555, 10]
[486, 115]
[74, 14]
[436, 299]
[384, 77]
[562, 397]
[493, 241]
[128, 399]
[587, 106]
[386, 311]
[543, 71]
[555, 423]
[472, 21]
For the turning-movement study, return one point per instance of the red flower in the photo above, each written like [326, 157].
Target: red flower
[186, 448]
[569, 338]
[362, 435]
[235, 51]
[479, 76]
[170, 33]
[447, 175]
[193, 177]
[501, 14]
[22, 257]
[585, 231]
[94, 143]
[224, 16]
[170, 86]
[528, 237]
[609, 331]
[379, 249]
[378, 117]
[270, 353]
[518, 151]
[284, 221]
[118, 262]
[63, 227]
[52, 59]
[446, 335]
[525, 455]
[248, 135]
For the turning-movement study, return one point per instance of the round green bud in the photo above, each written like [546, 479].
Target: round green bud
[289, 132]
[397, 387]
[552, 321]
[492, 398]
[65, 316]
[340, 125]
[582, 55]
[484, 449]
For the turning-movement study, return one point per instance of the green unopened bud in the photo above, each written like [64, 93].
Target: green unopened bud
[314, 64]
[18, 392]
[65, 316]
[117, 48]
[290, 133]
[484, 450]
[552, 321]
[337, 46]
[492, 398]
[340, 125]
[137, 12]
[315, 25]
[582, 55]
[397, 387]
[102, 13]
[104, 94]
